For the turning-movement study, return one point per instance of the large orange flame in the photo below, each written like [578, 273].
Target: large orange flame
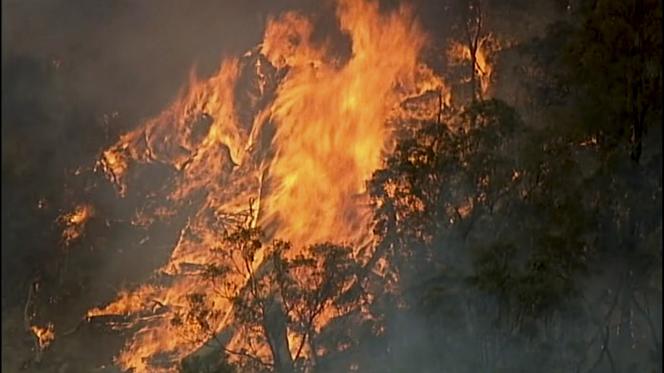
[331, 120]
[300, 145]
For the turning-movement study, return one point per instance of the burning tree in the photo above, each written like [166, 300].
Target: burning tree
[285, 303]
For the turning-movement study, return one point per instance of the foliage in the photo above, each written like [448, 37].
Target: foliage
[522, 224]
[287, 291]
[603, 65]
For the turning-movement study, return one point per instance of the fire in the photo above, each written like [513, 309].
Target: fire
[459, 53]
[74, 222]
[331, 121]
[44, 335]
[127, 303]
[300, 145]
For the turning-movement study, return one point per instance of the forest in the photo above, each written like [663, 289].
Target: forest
[507, 217]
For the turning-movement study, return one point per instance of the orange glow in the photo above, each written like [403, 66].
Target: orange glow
[459, 53]
[74, 222]
[44, 335]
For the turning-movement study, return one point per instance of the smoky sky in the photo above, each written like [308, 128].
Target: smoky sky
[129, 54]
[132, 56]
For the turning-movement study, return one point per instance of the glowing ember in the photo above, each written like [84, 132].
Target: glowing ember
[74, 222]
[44, 335]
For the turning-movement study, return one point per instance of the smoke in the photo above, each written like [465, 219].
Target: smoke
[76, 74]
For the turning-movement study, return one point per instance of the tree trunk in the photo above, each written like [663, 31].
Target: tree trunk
[275, 329]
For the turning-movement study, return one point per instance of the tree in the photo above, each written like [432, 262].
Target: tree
[603, 91]
[603, 62]
[284, 301]
[502, 231]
